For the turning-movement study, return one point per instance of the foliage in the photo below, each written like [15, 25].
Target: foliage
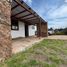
[61, 31]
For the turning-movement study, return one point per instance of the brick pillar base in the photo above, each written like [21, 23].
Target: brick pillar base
[5, 30]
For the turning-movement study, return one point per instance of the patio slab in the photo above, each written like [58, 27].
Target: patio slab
[20, 44]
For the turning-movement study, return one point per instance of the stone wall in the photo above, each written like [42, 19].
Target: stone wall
[5, 30]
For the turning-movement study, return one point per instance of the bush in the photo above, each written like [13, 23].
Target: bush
[61, 31]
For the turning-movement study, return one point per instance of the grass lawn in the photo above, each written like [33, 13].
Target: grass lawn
[47, 53]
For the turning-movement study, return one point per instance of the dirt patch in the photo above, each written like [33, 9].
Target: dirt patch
[39, 57]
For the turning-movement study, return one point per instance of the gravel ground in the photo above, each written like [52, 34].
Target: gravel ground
[60, 37]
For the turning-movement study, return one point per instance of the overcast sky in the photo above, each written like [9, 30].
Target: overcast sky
[53, 11]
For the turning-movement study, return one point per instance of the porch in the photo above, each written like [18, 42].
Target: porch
[21, 12]
[23, 18]
[21, 44]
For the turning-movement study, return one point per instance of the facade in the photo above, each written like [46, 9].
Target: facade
[21, 31]
[18, 20]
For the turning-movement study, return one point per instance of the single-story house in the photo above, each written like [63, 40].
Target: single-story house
[50, 31]
[17, 19]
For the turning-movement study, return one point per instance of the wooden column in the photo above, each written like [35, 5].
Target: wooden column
[5, 30]
[42, 30]
[39, 29]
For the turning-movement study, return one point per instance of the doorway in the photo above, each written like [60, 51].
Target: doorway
[26, 30]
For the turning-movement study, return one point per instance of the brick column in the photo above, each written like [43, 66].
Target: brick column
[5, 30]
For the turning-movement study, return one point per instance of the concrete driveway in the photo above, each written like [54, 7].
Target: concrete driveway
[60, 37]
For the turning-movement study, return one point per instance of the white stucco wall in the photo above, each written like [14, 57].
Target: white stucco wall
[31, 30]
[20, 32]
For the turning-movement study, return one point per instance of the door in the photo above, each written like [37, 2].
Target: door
[26, 30]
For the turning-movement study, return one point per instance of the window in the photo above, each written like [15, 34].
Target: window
[14, 25]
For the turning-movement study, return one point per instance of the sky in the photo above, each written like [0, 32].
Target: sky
[53, 11]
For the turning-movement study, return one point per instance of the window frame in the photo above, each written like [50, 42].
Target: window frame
[14, 23]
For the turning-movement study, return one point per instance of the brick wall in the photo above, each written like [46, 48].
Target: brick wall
[5, 30]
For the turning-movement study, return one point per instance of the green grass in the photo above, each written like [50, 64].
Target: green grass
[47, 53]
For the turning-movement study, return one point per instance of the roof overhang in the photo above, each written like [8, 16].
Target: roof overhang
[21, 11]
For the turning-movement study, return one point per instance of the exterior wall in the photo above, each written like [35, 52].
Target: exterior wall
[5, 30]
[20, 32]
[31, 30]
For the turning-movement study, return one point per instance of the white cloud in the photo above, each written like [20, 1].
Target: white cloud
[59, 12]
[65, 1]
[57, 23]
[53, 12]
[28, 1]
[58, 17]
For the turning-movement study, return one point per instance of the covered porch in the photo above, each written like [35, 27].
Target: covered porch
[23, 19]
[24, 23]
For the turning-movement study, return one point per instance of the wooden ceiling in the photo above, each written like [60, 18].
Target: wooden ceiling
[21, 11]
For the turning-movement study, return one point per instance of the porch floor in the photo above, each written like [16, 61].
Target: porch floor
[20, 44]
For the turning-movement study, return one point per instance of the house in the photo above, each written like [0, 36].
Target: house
[17, 19]
[50, 31]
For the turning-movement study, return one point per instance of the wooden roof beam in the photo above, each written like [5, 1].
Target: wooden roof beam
[25, 15]
[34, 18]
[15, 18]
[29, 18]
[24, 7]
[18, 13]
[14, 7]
